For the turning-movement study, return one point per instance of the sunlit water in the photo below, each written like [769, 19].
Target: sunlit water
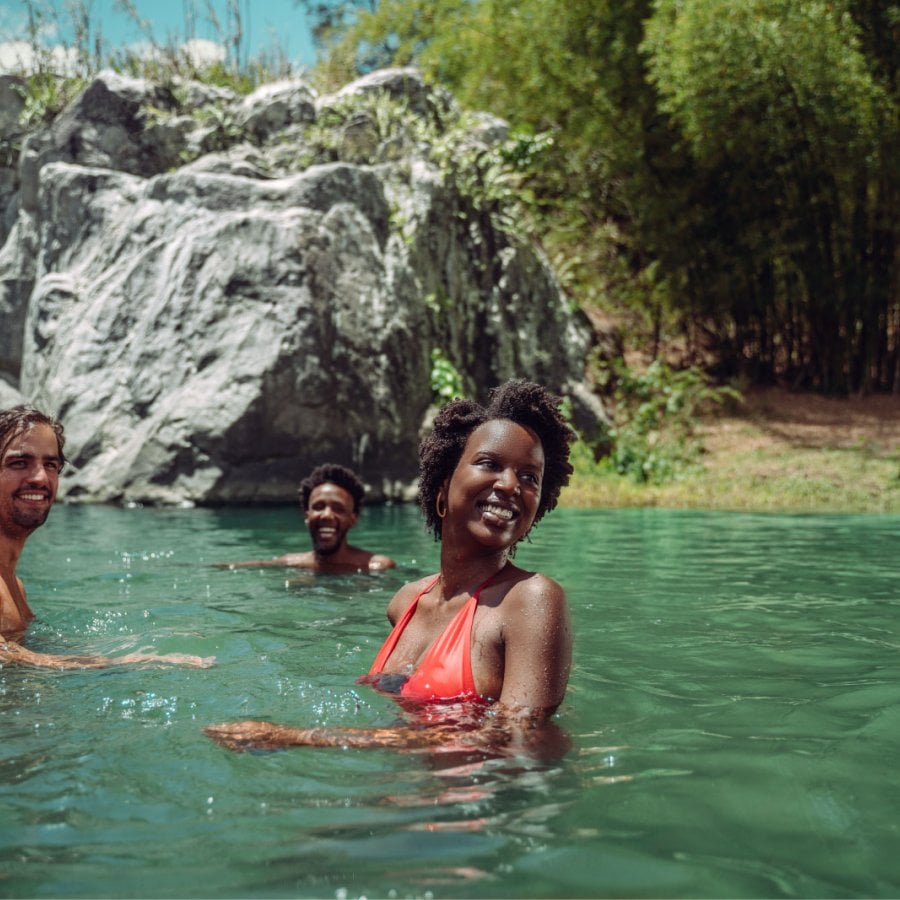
[734, 713]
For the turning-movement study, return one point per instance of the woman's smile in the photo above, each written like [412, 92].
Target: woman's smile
[499, 477]
[499, 512]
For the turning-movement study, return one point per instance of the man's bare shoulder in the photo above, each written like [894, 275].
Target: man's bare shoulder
[377, 561]
[352, 559]
[361, 560]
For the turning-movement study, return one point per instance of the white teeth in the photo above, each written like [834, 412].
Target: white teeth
[500, 511]
[33, 496]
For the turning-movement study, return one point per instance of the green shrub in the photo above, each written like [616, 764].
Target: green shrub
[653, 434]
[46, 95]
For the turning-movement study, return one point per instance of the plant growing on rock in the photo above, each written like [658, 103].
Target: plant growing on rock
[446, 382]
[46, 95]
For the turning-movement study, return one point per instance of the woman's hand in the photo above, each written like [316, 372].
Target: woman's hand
[254, 735]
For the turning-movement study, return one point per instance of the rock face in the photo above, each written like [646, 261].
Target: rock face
[215, 294]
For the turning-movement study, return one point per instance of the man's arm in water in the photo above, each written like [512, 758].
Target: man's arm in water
[307, 560]
[12, 652]
[297, 560]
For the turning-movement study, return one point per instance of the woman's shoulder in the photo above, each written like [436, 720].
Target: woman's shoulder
[531, 581]
[531, 589]
[422, 584]
[407, 594]
[533, 608]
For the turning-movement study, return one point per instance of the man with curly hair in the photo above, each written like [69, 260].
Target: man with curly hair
[331, 498]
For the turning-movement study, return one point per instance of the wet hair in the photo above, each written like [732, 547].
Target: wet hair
[19, 419]
[332, 473]
[522, 402]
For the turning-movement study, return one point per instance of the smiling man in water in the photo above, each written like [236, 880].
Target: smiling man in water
[31, 459]
[331, 498]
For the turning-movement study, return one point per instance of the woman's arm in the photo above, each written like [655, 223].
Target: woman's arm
[537, 638]
[253, 735]
[500, 734]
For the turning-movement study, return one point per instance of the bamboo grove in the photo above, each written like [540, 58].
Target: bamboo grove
[725, 170]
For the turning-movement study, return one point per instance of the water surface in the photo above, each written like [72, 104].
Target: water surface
[734, 715]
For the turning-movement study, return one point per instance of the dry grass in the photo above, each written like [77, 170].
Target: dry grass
[779, 452]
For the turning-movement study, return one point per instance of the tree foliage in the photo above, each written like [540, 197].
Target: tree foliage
[725, 168]
[779, 106]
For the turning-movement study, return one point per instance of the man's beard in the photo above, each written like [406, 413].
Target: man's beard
[321, 548]
[29, 519]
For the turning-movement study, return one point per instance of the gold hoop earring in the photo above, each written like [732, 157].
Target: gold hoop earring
[437, 506]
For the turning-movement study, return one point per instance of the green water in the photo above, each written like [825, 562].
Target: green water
[734, 715]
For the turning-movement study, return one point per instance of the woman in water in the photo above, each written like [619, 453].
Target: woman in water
[482, 631]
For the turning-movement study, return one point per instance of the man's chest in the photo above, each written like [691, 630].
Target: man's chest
[14, 611]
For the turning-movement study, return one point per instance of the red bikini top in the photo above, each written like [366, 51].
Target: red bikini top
[445, 672]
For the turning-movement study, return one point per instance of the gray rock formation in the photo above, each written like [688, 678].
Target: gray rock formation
[215, 294]
[12, 104]
[9, 396]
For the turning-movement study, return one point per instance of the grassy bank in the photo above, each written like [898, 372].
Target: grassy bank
[778, 452]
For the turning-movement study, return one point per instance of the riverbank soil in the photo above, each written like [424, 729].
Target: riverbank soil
[780, 451]
[773, 418]
[839, 453]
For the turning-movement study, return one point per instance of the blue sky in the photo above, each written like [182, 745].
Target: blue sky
[267, 24]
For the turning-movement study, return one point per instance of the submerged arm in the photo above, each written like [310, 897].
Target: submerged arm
[12, 652]
[253, 735]
[275, 562]
[504, 732]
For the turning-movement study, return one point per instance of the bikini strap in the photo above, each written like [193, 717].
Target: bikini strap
[484, 584]
[388, 647]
